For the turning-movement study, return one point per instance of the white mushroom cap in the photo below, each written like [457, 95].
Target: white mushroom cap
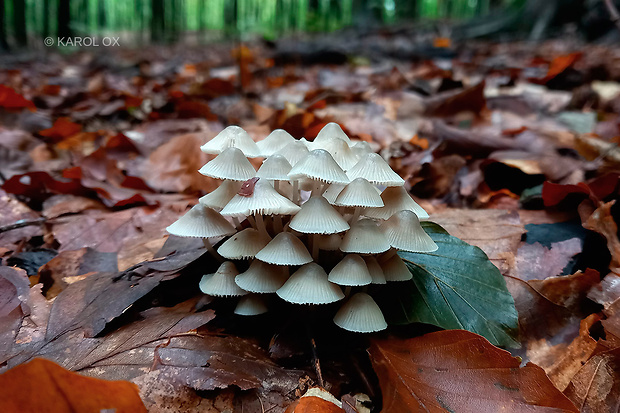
[361, 315]
[404, 232]
[230, 164]
[319, 165]
[317, 216]
[375, 170]
[262, 277]
[340, 151]
[359, 193]
[330, 132]
[243, 245]
[276, 167]
[330, 242]
[275, 141]
[294, 152]
[396, 198]
[351, 271]
[285, 249]
[361, 148]
[309, 285]
[364, 237]
[332, 192]
[201, 222]
[395, 269]
[265, 200]
[222, 283]
[309, 144]
[232, 137]
[219, 197]
[251, 304]
[374, 269]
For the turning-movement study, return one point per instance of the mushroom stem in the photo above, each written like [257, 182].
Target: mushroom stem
[316, 188]
[211, 250]
[235, 221]
[315, 247]
[260, 224]
[356, 214]
[277, 224]
[387, 255]
[296, 194]
[252, 221]
[276, 185]
[347, 291]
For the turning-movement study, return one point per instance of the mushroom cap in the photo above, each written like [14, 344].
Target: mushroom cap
[243, 245]
[332, 192]
[375, 170]
[317, 216]
[285, 249]
[262, 277]
[350, 271]
[220, 196]
[361, 148]
[265, 200]
[359, 193]
[330, 132]
[251, 304]
[364, 237]
[232, 137]
[340, 151]
[201, 222]
[395, 269]
[222, 282]
[275, 167]
[330, 242]
[294, 152]
[309, 285]
[374, 269]
[360, 314]
[319, 165]
[275, 141]
[404, 232]
[230, 164]
[395, 198]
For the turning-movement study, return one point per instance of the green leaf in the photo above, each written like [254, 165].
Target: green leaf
[455, 287]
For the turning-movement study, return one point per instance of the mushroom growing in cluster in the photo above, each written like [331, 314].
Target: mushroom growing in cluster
[308, 199]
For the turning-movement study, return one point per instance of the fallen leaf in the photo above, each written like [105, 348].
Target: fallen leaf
[450, 103]
[459, 371]
[535, 261]
[62, 129]
[603, 222]
[316, 400]
[10, 99]
[12, 211]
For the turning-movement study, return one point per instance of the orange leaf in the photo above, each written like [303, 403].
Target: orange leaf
[62, 128]
[442, 42]
[459, 371]
[44, 386]
[10, 99]
[316, 400]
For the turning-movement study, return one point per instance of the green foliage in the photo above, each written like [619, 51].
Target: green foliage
[455, 287]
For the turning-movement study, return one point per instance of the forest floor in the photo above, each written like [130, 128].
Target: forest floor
[512, 148]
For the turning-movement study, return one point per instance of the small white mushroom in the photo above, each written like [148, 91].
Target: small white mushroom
[330, 132]
[395, 198]
[320, 166]
[222, 282]
[404, 232]
[232, 137]
[220, 196]
[395, 269]
[350, 271]
[364, 237]
[375, 170]
[274, 142]
[285, 249]
[309, 285]
[230, 164]
[251, 304]
[262, 277]
[360, 314]
[243, 245]
[374, 269]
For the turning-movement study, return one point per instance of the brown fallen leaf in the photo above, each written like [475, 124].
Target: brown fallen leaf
[459, 371]
[12, 211]
[535, 261]
[450, 103]
[603, 222]
[44, 386]
[569, 290]
[14, 305]
[316, 400]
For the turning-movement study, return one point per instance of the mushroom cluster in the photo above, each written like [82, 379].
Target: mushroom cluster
[307, 200]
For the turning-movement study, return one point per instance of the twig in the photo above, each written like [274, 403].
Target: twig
[315, 358]
[613, 13]
[23, 223]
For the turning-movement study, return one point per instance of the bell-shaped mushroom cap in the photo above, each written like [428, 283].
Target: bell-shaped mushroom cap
[332, 192]
[340, 151]
[404, 232]
[251, 304]
[361, 315]
[361, 148]
[294, 152]
[265, 200]
[359, 193]
[275, 141]
[375, 170]
[276, 167]
[319, 165]
[374, 269]
[330, 242]
[309, 285]
[220, 196]
[232, 137]
[230, 164]
[285, 249]
[395, 198]
[243, 245]
[364, 237]
[201, 222]
[262, 277]
[317, 216]
[395, 269]
[351, 271]
[330, 132]
[222, 283]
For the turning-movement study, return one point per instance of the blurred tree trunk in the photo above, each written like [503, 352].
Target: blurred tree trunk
[3, 43]
[101, 16]
[46, 18]
[19, 22]
[64, 18]
[157, 20]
